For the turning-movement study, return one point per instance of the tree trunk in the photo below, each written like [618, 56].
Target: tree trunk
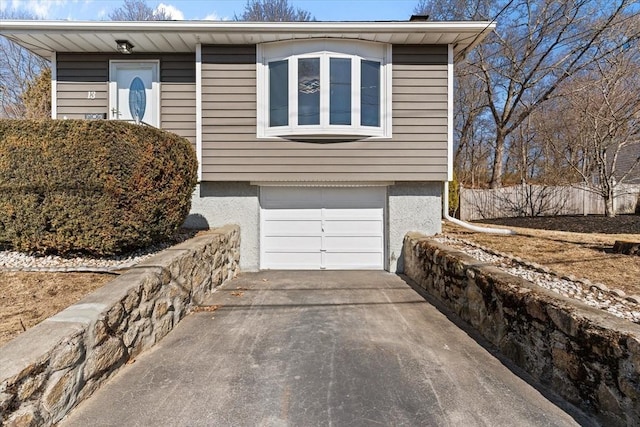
[496, 170]
[609, 207]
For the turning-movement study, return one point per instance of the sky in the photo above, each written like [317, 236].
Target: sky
[322, 10]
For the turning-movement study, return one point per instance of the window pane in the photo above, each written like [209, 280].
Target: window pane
[340, 95]
[278, 93]
[309, 91]
[370, 93]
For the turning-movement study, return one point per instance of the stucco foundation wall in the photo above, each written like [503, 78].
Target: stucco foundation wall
[217, 203]
[50, 368]
[412, 206]
[587, 356]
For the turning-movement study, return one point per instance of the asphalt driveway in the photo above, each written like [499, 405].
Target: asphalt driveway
[318, 349]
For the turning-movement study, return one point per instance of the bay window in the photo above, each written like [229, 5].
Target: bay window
[324, 88]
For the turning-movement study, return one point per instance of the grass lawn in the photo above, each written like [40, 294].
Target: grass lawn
[584, 255]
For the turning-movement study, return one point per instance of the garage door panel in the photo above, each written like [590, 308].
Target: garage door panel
[350, 198]
[349, 244]
[283, 204]
[292, 261]
[289, 228]
[294, 243]
[350, 203]
[346, 261]
[352, 214]
[284, 198]
[357, 226]
[292, 214]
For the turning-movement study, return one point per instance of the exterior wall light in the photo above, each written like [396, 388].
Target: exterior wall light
[124, 46]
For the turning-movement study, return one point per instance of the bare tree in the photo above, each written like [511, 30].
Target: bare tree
[18, 67]
[599, 123]
[274, 11]
[471, 136]
[138, 10]
[454, 10]
[524, 65]
[537, 46]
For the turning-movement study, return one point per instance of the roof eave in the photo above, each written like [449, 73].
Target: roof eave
[26, 32]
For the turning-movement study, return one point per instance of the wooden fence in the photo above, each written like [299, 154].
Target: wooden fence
[536, 200]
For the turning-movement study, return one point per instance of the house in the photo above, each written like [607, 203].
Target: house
[628, 164]
[325, 141]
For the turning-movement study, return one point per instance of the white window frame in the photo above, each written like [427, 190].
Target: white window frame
[324, 49]
[54, 85]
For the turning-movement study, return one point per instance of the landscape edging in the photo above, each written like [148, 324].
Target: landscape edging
[587, 356]
[51, 367]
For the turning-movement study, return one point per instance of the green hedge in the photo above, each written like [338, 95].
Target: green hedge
[99, 187]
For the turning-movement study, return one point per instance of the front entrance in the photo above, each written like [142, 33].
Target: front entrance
[317, 228]
[134, 92]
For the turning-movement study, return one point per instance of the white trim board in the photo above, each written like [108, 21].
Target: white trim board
[199, 108]
[54, 86]
[322, 183]
[450, 114]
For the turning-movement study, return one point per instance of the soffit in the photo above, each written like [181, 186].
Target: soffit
[46, 37]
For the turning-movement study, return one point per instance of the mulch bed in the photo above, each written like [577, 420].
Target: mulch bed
[621, 224]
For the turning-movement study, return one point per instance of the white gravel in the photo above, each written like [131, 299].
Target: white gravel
[20, 261]
[593, 294]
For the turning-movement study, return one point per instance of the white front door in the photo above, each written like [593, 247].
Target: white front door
[134, 92]
[312, 228]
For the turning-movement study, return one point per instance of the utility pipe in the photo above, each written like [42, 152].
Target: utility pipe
[445, 215]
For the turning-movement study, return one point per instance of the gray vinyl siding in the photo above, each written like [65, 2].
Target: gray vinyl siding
[228, 111]
[79, 73]
[420, 105]
[416, 152]
[178, 109]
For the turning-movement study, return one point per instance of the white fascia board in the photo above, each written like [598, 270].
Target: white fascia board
[388, 92]
[54, 86]
[261, 91]
[322, 183]
[13, 26]
[450, 114]
[199, 109]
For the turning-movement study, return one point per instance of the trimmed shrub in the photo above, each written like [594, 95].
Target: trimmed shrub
[37, 97]
[99, 187]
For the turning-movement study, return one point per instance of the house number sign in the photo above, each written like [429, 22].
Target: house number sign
[91, 94]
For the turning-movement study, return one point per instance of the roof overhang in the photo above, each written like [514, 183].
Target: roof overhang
[46, 37]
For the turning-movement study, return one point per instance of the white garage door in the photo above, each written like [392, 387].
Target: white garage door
[313, 228]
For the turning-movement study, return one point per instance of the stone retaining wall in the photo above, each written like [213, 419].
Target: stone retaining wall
[589, 357]
[50, 368]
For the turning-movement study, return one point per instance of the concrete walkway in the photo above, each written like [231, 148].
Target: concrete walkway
[318, 349]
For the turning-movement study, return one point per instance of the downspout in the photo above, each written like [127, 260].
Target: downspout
[445, 215]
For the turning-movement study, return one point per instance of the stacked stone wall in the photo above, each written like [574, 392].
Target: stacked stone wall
[50, 368]
[587, 356]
